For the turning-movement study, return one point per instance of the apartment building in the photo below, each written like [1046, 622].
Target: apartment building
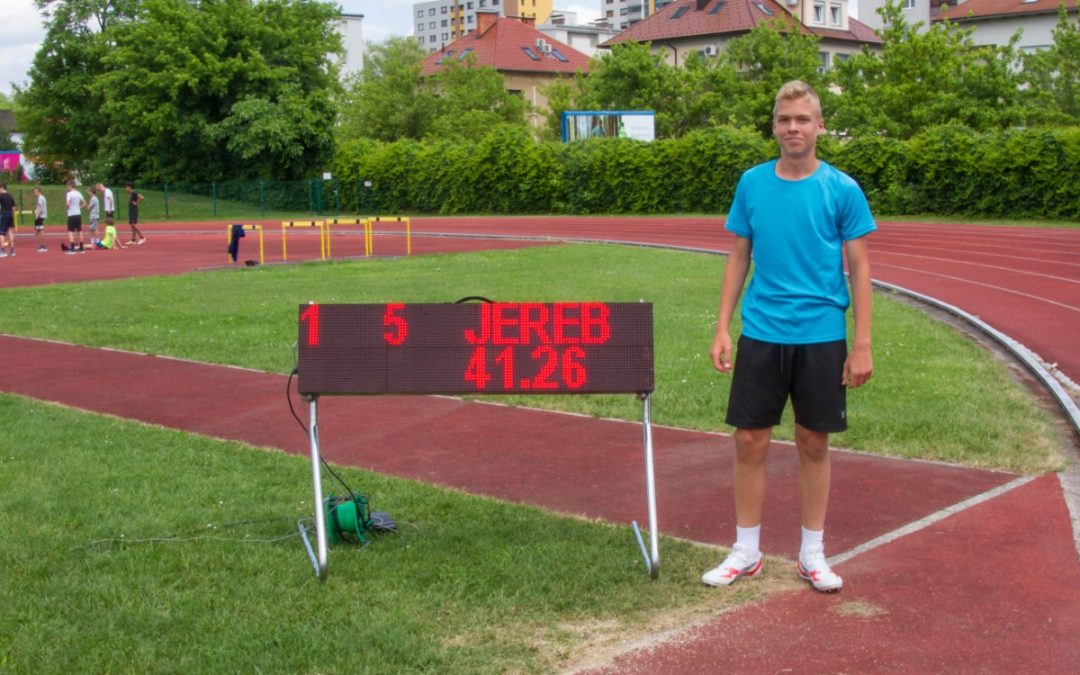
[440, 22]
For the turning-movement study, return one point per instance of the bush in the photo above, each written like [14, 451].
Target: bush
[945, 170]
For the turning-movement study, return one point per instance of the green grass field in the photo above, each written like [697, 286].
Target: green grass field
[132, 548]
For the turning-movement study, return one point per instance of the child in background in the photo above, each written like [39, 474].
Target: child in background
[41, 212]
[95, 211]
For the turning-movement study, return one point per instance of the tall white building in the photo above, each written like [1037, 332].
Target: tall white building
[352, 38]
[621, 14]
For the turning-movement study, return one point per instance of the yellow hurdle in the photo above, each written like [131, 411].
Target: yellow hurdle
[287, 224]
[370, 226]
[342, 221]
[248, 228]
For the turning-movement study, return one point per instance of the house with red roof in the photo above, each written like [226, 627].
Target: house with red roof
[994, 22]
[687, 26]
[527, 59]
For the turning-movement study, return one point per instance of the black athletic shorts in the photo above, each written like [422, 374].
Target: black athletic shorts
[766, 374]
[7, 221]
[39, 224]
[75, 223]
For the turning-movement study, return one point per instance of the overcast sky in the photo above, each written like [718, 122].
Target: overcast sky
[23, 29]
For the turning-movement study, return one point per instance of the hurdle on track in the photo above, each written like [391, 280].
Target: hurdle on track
[286, 225]
[343, 221]
[370, 226]
[248, 228]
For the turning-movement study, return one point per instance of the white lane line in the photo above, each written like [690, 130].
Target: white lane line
[979, 283]
[929, 520]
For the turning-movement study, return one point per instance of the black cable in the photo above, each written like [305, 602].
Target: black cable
[288, 397]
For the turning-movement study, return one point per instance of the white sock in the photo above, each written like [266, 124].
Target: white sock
[749, 538]
[811, 538]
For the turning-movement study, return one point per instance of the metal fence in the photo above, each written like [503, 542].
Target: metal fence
[216, 200]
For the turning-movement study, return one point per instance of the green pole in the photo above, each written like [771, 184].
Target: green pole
[166, 191]
[262, 198]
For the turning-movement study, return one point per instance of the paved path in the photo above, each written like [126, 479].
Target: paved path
[946, 568]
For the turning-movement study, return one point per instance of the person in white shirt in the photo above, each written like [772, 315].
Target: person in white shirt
[75, 204]
[41, 212]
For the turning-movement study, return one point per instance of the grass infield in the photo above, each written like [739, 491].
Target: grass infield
[134, 548]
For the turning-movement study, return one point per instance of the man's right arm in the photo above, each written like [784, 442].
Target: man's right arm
[738, 266]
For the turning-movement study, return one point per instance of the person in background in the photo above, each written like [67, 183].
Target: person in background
[94, 212]
[75, 203]
[134, 199]
[7, 222]
[41, 212]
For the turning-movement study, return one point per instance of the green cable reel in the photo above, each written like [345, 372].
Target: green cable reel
[348, 518]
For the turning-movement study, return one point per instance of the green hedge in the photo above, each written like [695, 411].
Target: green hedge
[947, 170]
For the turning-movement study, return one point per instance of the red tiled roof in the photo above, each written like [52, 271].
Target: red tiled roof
[736, 16]
[984, 9]
[502, 45]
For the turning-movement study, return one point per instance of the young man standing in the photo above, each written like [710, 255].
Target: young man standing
[74, 202]
[108, 202]
[134, 199]
[794, 217]
[41, 212]
[7, 221]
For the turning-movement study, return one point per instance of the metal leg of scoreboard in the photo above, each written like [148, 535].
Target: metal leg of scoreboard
[652, 555]
[318, 560]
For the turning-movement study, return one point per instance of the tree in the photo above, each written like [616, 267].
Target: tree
[471, 100]
[388, 100]
[741, 88]
[1052, 76]
[632, 77]
[926, 78]
[60, 110]
[220, 89]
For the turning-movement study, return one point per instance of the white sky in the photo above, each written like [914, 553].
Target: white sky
[382, 18]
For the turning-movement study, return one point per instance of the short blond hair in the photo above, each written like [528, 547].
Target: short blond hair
[793, 90]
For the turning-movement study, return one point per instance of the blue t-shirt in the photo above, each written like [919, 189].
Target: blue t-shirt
[797, 229]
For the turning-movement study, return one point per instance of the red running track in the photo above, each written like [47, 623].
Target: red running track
[1025, 282]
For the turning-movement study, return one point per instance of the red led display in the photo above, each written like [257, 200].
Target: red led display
[489, 348]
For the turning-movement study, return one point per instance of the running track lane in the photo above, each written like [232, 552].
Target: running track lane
[1025, 282]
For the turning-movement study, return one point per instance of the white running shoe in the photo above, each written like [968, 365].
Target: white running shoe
[814, 568]
[741, 562]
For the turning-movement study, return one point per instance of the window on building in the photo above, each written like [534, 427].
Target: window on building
[835, 15]
[530, 53]
[610, 13]
[558, 55]
[444, 9]
[718, 6]
[622, 12]
[419, 28]
[444, 22]
[432, 38]
[468, 5]
[420, 13]
[909, 4]
[446, 57]
[823, 65]
[765, 10]
[464, 52]
[470, 18]
[445, 37]
[679, 12]
[494, 3]
[431, 25]
[431, 12]
[819, 12]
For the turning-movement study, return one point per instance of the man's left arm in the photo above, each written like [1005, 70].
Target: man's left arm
[860, 362]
